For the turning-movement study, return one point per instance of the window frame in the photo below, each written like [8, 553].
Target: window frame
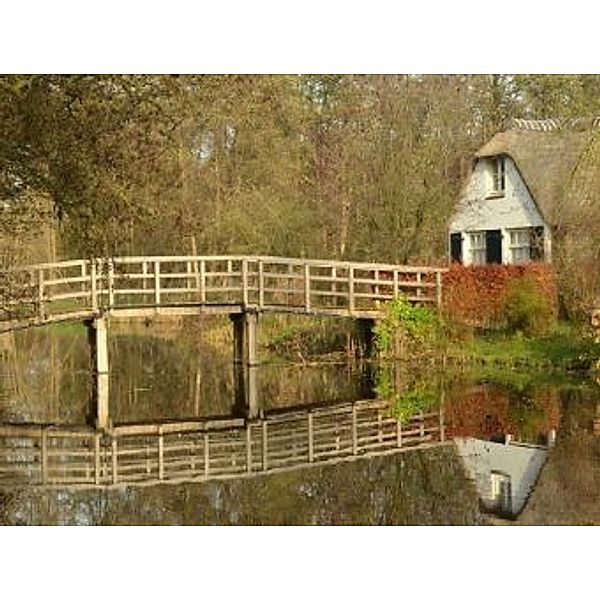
[519, 245]
[498, 164]
[480, 249]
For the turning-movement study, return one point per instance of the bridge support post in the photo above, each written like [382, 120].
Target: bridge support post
[98, 338]
[245, 363]
[365, 338]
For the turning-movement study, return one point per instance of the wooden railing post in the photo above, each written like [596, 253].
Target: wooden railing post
[261, 283]
[161, 464]
[419, 288]
[111, 282]
[40, 293]
[206, 455]
[144, 274]
[354, 430]
[203, 281]
[265, 445]
[188, 271]
[93, 286]
[248, 447]
[396, 291]
[307, 287]
[115, 461]
[156, 283]
[97, 458]
[244, 282]
[351, 304]
[44, 456]
[398, 433]
[438, 288]
[311, 440]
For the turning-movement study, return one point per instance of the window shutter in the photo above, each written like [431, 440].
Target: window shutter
[456, 247]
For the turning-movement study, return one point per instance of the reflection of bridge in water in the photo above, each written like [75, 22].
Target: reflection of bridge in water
[218, 449]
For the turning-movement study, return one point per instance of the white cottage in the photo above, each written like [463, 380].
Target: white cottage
[514, 197]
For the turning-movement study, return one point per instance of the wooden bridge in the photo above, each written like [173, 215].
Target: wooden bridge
[242, 287]
[179, 285]
[218, 449]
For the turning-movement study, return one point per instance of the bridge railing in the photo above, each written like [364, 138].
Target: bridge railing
[226, 448]
[266, 283]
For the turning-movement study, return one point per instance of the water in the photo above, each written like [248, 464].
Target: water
[497, 447]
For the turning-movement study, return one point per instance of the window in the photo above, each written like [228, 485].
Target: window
[498, 175]
[500, 492]
[477, 245]
[519, 246]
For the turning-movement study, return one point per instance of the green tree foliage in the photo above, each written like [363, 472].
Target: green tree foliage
[406, 329]
[558, 96]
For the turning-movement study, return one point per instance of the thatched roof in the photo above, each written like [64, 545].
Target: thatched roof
[546, 154]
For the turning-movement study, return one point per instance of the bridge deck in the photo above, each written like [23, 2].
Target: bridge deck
[180, 285]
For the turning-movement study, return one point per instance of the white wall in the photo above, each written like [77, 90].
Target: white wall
[522, 463]
[513, 210]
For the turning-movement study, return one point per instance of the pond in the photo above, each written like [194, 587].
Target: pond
[334, 441]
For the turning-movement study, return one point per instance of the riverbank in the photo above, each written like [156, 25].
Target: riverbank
[567, 347]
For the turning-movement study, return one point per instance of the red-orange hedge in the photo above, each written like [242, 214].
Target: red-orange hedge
[476, 294]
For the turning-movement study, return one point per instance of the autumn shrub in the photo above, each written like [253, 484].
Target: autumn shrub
[527, 308]
[476, 296]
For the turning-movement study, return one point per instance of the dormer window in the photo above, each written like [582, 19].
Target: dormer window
[498, 175]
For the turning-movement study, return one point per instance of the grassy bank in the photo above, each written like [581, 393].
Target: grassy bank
[566, 346]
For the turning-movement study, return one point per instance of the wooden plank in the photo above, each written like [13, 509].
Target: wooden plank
[248, 447]
[311, 441]
[245, 282]
[354, 431]
[265, 446]
[307, 287]
[97, 458]
[161, 464]
[157, 283]
[115, 466]
[44, 456]
[206, 455]
[111, 282]
[261, 284]
[93, 285]
[273, 260]
[203, 281]
[351, 298]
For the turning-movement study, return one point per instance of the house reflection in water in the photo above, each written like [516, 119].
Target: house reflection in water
[504, 437]
[504, 473]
